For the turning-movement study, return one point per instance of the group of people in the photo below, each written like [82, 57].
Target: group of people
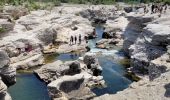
[156, 8]
[159, 8]
[74, 39]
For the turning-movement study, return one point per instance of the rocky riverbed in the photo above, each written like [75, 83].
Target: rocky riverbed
[36, 40]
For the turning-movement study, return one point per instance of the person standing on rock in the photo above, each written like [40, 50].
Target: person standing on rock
[71, 40]
[86, 39]
[145, 10]
[75, 39]
[79, 38]
[160, 9]
[165, 8]
[152, 8]
[41, 48]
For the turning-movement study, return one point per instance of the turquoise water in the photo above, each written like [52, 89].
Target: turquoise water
[28, 87]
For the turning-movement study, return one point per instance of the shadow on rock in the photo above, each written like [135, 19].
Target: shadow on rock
[167, 93]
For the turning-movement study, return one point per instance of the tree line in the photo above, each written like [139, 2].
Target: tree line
[15, 2]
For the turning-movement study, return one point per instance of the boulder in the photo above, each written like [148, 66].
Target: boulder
[71, 87]
[3, 92]
[27, 61]
[57, 69]
[52, 71]
[128, 9]
[7, 72]
[47, 38]
[93, 64]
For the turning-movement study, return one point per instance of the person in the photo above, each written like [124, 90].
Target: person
[28, 47]
[160, 9]
[145, 10]
[19, 50]
[86, 39]
[75, 39]
[165, 8]
[94, 32]
[79, 38]
[41, 48]
[152, 8]
[71, 40]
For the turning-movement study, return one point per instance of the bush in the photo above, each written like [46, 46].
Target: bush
[2, 30]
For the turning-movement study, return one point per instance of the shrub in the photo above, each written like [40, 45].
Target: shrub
[2, 30]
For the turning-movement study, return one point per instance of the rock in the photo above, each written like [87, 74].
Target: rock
[15, 12]
[148, 47]
[71, 87]
[47, 38]
[145, 90]
[57, 69]
[27, 62]
[102, 43]
[106, 35]
[6, 25]
[133, 31]
[72, 79]
[66, 48]
[93, 64]
[168, 49]
[50, 72]
[158, 66]
[7, 72]
[74, 68]
[128, 9]
[3, 92]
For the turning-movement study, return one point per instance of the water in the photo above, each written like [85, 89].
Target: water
[28, 87]
[49, 58]
[69, 56]
[113, 72]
